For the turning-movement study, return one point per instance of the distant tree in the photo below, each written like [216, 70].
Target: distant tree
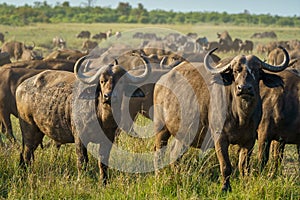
[66, 4]
[124, 8]
[89, 3]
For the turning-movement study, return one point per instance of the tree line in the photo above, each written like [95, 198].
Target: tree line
[42, 12]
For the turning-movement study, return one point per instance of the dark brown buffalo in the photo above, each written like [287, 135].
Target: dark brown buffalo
[67, 54]
[40, 114]
[2, 37]
[89, 45]
[100, 36]
[84, 34]
[184, 107]
[246, 46]
[4, 58]
[133, 105]
[16, 49]
[236, 45]
[281, 117]
[266, 34]
[211, 45]
[225, 38]
[60, 64]
[15, 73]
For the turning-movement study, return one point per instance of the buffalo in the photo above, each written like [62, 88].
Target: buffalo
[246, 46]
[100, 36]
[84, 34]
[67, 54]
[2, 37]
[89, 45]
[192, 102]
[281, 117]
[14, 74]
[4, 58]
[17, 49]
[40, 114]
[59, 42]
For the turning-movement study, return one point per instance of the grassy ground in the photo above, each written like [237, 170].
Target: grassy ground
[54, 176]
[54, 173]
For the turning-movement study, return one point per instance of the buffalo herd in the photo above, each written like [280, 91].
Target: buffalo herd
[176, 80]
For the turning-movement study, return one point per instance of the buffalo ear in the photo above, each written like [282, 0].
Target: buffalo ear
[89, 93]
[133, 91]
[225, 78]
[271, 80]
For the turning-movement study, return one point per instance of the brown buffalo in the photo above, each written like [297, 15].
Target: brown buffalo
[192, 101]
[15, 73]
[16, 49]
[4, 58]
[67, 54]
[89, 45]
[236, 44]
[59, 42]
[246, 46]
[100, 36]
[225, 38]
[276, 56]
[2, 37]
[40, 114]
[84, 34]
[281, 117]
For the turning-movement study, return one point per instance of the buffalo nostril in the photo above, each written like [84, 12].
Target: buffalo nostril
[107, 96]
[244, 88]
[239, 87]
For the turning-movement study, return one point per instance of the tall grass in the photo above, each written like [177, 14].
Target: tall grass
[54, 176]
[54, 173]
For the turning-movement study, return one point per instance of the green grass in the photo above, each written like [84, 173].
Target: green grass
[54, 176]
[54, 173]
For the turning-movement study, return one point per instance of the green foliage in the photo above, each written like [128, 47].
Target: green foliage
[124, 13]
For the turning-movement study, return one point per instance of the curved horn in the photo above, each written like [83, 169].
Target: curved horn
[282, 66]
[217, 69]
[162, 62]
[79, 74]
[142, 77]
[33, 44]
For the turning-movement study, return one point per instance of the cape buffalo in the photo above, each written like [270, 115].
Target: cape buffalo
[281, 117]
[16, 49]
[14, 74]
[84, 34]
[192, 101]
[47, 102]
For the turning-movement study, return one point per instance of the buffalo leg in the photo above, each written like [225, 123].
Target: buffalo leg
[263, 152]
[82, 158]
[8, 127]
[298, 150]
[244, 159]
[161, 141]
[221, 147]
[32, 137]
[278, 148]
[104, 152]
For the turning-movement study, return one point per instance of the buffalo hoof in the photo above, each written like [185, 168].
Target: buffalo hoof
[226, 187]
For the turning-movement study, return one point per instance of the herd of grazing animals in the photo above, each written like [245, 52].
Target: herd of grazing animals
[262, 98]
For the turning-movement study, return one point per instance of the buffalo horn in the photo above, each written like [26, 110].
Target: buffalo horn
[282, 66]
[217, 69]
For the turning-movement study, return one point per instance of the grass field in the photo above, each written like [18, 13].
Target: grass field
[54, 173]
